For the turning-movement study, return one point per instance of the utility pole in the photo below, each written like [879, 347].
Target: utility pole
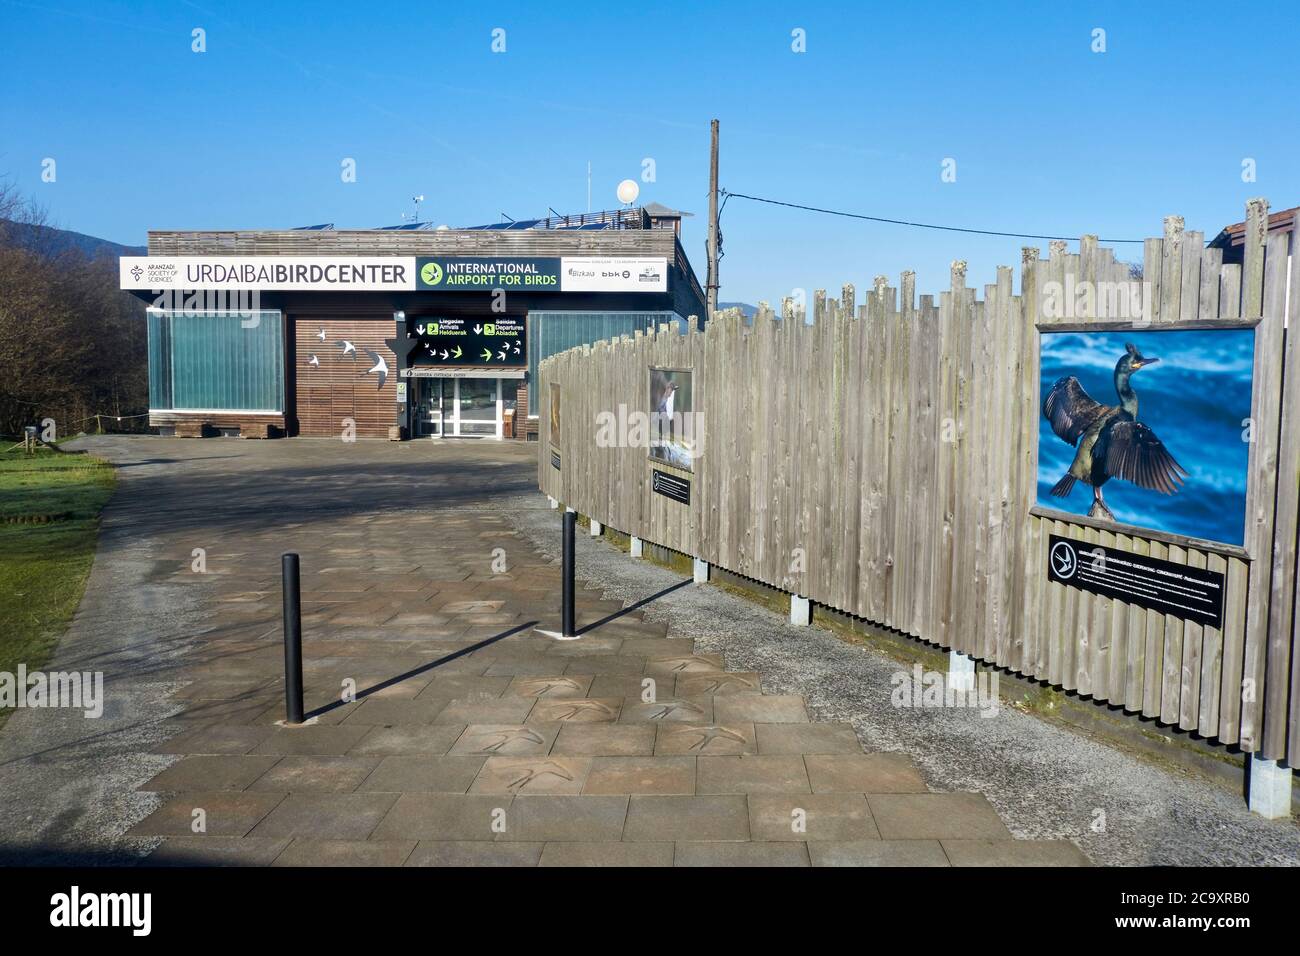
[711, 282]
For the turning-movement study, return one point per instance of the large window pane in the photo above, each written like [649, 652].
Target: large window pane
[551, 332]
[216, 361]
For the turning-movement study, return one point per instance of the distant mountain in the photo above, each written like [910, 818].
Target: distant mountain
[54, 241]
[747, 310]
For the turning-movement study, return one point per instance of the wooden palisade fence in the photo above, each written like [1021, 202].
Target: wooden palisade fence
[882, 460]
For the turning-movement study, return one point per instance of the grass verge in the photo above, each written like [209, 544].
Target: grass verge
[49, 522]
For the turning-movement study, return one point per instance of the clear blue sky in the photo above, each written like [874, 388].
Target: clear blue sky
[1048, 136]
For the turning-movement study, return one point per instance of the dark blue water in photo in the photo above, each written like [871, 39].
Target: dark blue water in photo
[1194, 399]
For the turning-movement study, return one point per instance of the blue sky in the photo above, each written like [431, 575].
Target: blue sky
[1048, 136]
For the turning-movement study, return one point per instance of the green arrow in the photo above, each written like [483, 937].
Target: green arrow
[487, 355]
[456, 354]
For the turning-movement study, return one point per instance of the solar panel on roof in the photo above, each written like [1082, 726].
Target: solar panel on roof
[325, 226]
[407, 226]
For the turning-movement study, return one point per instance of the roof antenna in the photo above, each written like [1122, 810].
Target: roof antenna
[414, 217]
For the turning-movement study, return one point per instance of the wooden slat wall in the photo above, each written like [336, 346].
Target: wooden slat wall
[417, 242]
[882, 459]
[338, 389]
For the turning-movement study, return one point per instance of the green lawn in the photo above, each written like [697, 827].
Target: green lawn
[49, 519]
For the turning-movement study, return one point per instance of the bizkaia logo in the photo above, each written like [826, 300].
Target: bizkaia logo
[76, 909]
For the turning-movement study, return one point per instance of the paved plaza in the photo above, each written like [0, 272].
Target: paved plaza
[444, 729]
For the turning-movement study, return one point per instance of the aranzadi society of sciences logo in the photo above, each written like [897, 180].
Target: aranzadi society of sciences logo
[158, 274]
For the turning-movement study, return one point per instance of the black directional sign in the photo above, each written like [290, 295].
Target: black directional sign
[459, 341]
[1193, 594]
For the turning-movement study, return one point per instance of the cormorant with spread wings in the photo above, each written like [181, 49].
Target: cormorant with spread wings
[1111, 442]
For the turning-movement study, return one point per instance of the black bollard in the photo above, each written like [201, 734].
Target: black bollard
[567, 624]
[292, 638]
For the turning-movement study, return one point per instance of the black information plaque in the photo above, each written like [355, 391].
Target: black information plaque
[670, 486]
[555, 460]
[1193, 594]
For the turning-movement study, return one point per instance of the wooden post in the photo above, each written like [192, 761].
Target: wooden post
[711, 279]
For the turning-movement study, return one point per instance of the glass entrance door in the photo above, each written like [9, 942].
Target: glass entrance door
[478, 407]
[434, 406]
[458, 407]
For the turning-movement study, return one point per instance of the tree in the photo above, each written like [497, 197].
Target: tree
[71, 343]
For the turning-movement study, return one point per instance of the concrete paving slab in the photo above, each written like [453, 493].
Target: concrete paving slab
[643, 774]
[576, 709]
[828, 738]
[604, 739]
[752, 773]
[506, 739]
[863, 773]
[741, 854]
[434, 739]
[695, 711]
[474, 853]
[422, 774]
[806, 817]
[935, 816]
[660, 819]
[326, 816]
[211, 773]
[443, 817]
[1014, 853]
[608, 854]
[705, 739]
[760, 708]
[216, 851]
[218, 814]
[303, 852]
[878, 853]
[317, 740]
[316, 774]
[532, 775]
[567, 819]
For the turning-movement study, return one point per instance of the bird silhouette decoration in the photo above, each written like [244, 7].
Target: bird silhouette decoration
[380, 367]
[1110, 441]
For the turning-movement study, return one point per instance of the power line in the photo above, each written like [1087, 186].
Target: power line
[918, 225]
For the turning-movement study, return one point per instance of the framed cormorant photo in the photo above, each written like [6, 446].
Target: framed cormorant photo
[672, 424]
[1148, 428]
